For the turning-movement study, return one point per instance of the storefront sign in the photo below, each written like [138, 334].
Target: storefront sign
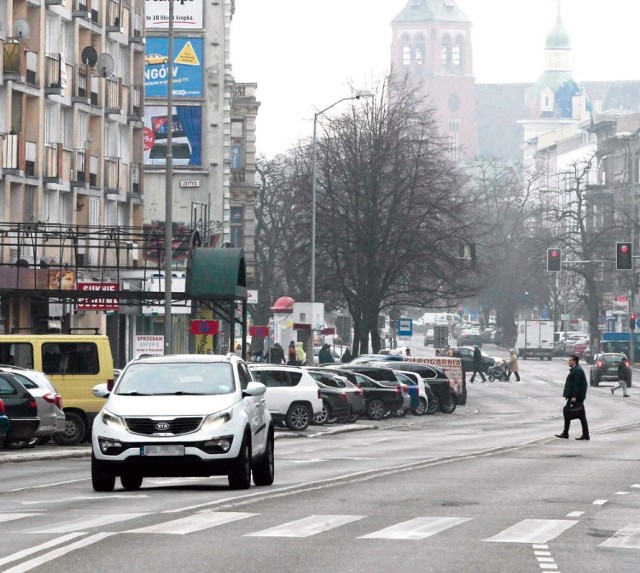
[106, 303]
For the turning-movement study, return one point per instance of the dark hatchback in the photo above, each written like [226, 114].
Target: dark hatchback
[21, 409]
[335, 407]
[355, 395]
[380, 398]
[605, 367]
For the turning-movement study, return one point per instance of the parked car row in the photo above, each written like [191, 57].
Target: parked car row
[32, 407]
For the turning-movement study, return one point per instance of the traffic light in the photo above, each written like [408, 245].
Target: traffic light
[554, 259]
[632, 321]
[624, 256]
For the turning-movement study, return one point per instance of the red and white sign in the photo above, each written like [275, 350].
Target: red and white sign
[206, 327]
[149, 138]
[102, 303]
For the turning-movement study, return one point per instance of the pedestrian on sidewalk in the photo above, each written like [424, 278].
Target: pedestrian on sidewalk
[575, 391]
[624, 375]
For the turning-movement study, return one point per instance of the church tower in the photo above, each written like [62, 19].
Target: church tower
[431, 43]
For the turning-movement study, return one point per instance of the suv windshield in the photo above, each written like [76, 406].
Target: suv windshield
[154, 379]
[612, 358]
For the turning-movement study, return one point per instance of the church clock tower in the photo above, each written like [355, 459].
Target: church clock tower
[432, 44]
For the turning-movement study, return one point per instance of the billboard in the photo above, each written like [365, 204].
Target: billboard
[186, 67]
[187, 14]
[186, 132]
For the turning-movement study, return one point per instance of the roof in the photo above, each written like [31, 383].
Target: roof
[431, 11]
[558, 38]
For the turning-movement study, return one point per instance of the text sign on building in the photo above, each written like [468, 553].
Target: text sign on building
[259, 331]
[148, 344]
[187, 14]
[186, 183]
[208, 327]
[102, 303]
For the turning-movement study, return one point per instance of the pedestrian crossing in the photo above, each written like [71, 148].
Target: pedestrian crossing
[525, 531]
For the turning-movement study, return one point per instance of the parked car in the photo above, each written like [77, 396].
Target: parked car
[367, 358]
[470, 337]
[569, 346]
[21, 409]
[580, 347]
[292, 395]
[52, 418]
[422, 401]
[438, 382]
[381, 399]
[355, 395]
[466, 357]
[4, 423]
[334, 401]
[605, 367]
[183, 415]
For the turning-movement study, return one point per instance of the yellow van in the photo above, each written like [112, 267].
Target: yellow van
[75, 363]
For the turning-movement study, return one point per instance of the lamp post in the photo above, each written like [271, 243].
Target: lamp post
[359, 94]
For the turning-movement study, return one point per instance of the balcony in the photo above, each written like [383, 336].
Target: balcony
[11, 66]
[55, 74]
[114, 16]
[113, 96]
[135, 104]
[81, 87]
[137, 27]
[135, 178]
[80, 174]
[112, 175]
[81, 9]
[52, 162]
[10, 162]
[19, 156]
[238, 175]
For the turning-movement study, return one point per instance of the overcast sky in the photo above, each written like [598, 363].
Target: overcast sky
[304, 54]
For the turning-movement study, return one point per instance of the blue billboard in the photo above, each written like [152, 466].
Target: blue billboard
[187, 67]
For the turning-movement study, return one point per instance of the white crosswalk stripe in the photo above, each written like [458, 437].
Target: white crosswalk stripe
[418, 528]
[627, 538]
[196, 522]
[4, 517]
[85, 522]
[533, 531]
[308, 526]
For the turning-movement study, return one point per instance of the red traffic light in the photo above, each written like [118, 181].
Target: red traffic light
[624, 249]
[554, 259]
[554, 253]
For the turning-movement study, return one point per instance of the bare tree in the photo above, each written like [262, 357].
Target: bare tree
[392, 210]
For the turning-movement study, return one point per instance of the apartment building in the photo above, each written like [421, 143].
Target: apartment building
[71, 148]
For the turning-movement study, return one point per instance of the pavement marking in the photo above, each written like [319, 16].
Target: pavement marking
[196, 522]
[575, 514]
[4, 517]
[600, 501]
[627, 538]
[44, 485]
[87, 522]
[84, 498]
[36, 549]
[308, 526]
[636, 485]
[533, 531]
[416, 529]
[621, 493]
[548, 566]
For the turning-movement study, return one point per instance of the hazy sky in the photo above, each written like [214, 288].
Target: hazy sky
[304, 54]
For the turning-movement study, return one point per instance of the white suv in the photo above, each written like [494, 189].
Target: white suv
[293, 397]
[183, 415]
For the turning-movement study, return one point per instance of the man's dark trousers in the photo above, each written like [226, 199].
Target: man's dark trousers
[582, 418]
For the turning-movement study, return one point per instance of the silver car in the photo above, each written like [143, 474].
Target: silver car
[49, 401]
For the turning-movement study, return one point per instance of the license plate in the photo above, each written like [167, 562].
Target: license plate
[177, 450]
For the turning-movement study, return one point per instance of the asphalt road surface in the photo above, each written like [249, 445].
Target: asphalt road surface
[485, 489]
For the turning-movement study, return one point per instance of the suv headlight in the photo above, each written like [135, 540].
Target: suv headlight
[218, 419]
[116, 422]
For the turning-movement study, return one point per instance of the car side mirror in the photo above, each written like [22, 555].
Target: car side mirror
[254, 389]
[101, 391]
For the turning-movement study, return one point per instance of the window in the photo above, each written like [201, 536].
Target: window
[444, 55]
[237, 226]
[6, 388]
[406, 55]
[237, 144]
[70, 358]
[455, 55]
[244, 376]
[19, 354]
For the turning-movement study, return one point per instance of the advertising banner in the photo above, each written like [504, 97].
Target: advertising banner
[152, 345]
[105, 303]
[187, 14]
[186, 128]
[186, 67]
[452, 368]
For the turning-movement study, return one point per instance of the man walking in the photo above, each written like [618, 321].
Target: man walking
[624, 374]
[575, 391]
[477, 364]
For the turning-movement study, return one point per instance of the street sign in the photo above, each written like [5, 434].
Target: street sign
[405, 327]
[207, 327]
[259, 331]
[301, 326]
[327, 331]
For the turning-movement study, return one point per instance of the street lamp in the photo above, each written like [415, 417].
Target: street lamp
[359, 94]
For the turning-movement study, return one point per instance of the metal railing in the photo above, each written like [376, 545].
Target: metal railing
[112, 173]
[135, 101]
[136, 178]
[53, 76]
[113, 93]
[52, 159]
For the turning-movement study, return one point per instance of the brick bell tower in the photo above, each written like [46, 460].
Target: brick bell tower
[432, 44]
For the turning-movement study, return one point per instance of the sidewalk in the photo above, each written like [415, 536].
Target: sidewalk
[53, 451]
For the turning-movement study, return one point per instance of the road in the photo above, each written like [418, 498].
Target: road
[486, 489]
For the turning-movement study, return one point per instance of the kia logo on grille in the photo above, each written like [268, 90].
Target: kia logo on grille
[163, 426]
